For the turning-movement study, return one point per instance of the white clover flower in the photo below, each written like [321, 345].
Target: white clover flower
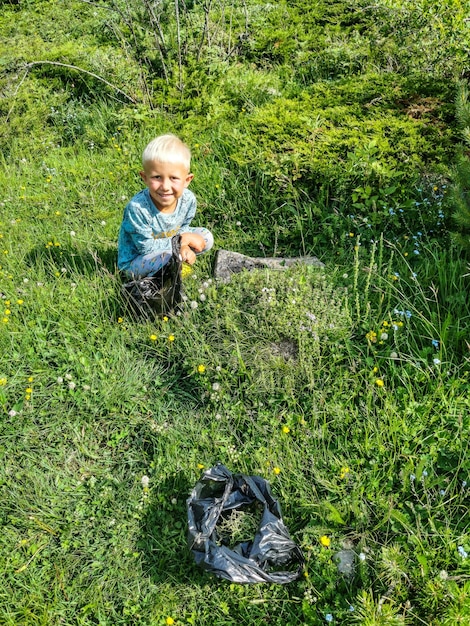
[12, 413]
[393, 355]
[145, 481]
[60, 380]
[174, 501]
[194, 304]
[103, 223]
[72, 233]
[68, 376]
[215, 387]
[436, 361]
[72, 385]
[362, 556]
[202, 297]
[384, 336]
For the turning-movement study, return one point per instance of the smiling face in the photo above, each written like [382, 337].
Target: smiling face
[166, 183]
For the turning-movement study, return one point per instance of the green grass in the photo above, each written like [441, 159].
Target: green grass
[347, 387]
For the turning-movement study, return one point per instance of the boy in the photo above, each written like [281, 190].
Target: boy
[162, 210]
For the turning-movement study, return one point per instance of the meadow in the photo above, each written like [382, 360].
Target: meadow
[327, 129]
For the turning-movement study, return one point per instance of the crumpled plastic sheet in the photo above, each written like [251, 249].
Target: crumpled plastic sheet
[254, 561]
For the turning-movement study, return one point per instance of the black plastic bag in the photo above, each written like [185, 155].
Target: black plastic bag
[157, 295]
[214, 496]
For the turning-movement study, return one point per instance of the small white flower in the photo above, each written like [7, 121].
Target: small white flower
[145, 481]
[239, 223]
[63, 270]
[215, 387]
[60, 380]
[194, 304]
[202, 297]
[86, 387]
[68, 376]
[174, 501]
[103, 223]
[393, 355]
[26, 280]
[72, 385]
[384, 336]
[443, 575]
[436, 361]
[205, 284]
[12, 413]
[362, 556]
[72, 233]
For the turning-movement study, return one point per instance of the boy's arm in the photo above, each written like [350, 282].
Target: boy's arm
[188, 210]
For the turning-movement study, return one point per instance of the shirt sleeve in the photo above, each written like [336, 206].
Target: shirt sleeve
[188, 209]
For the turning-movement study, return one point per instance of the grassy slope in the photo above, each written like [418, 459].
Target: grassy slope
[92, 401]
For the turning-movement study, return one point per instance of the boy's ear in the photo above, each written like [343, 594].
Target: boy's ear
[189, 178]
[143, 176]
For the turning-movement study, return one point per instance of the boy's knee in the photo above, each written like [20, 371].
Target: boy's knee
[208, 239]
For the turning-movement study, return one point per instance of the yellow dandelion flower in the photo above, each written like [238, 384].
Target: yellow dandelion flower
[7, 312]
[344, 472]
[171, 337]
[28, 390]
[371, 336]
[3, 382]
[19, 301]
[30, 379]
[169, 621]
[306, 574]
[5, 320]
[201, 368]
[153, 337]
[277, 470]
[27, 397]
[285, 429]
[200, 466]
[186, 270]
[120, 320]
[325, 541]
[379, 382]
[351, 234]
[165, 319]
[375, 370]
[7, 302]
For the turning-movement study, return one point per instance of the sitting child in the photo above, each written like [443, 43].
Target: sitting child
[161, 211]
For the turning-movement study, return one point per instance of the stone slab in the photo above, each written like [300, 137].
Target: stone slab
[228, 263]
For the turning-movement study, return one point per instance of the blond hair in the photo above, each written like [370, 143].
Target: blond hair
[167, 149]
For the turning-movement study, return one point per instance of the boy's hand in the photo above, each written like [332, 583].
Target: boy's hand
[194, 241]
[187, 254]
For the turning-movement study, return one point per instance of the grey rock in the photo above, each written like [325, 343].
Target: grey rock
[228, 263]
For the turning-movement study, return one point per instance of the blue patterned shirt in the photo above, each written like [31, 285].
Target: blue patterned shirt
[145, 229]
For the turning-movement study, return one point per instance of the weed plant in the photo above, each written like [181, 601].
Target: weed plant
[324, 130]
